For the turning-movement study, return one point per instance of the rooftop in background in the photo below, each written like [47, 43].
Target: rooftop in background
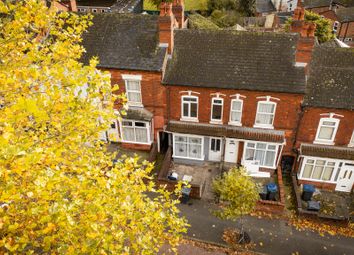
[190, 5]
[264, 6]
[124, 41]
[96, 3]
[345, 14]
[235, 60]
[330, 83]
[322, 3]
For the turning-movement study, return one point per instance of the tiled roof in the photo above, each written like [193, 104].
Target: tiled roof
[235, 60]
[124, 41]
[264, 6]
[138, 113]
[246, 133]
[96, 3]
[345, 14]
[327, 151]
[330, 83]
[322, 3]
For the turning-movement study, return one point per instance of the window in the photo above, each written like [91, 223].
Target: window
[236, 111]
[133, 89]
[264, 153]
[265, 114]
[318, 169]
[135, 131]
[94, 10]
[188, 147]
[351, 142]
[189, 107]
[335, 26]
[326, 131]
[216, 109]
[349, 39]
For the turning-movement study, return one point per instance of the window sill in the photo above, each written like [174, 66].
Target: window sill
[148, 143]
[199, 159]
[263, 126]
[130, 104]
[316, 180]
[323, 142]
[239, 124]
[189, 119]
[218, 122]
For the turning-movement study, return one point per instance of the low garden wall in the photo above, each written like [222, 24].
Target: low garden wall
[171, 185]
[276, 207]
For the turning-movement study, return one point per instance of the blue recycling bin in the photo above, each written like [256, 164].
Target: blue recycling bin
[272, 190]
[307, 192]
[185, 195]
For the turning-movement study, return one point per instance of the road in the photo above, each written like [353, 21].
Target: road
[274, 237]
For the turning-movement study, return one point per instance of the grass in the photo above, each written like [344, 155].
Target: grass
[190, 5]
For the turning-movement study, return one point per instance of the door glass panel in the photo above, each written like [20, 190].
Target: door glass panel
[218, 144]
[212, 147]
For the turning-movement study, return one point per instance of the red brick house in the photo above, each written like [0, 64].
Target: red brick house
[325, 138]
[234, 97]
[134, 48]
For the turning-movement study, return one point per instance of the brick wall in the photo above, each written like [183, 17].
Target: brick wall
[153, 93]
[311, 118]
[286, 115]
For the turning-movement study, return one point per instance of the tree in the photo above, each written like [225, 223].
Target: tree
[240, 194]
[60, 193]
[323, 26]
[247, 7]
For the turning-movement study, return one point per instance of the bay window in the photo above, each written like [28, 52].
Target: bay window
[318, 169]
[264, 153]
[135, 131]
[189, 107]
[236, 112]
[327, 130]
[216, 109]
[265, 114]
[188, 146]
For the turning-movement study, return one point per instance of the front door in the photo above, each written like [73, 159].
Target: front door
[215, 149]
[113, 132]
[231, 150]
[346, 178]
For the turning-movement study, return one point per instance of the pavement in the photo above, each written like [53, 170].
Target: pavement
[274, 237]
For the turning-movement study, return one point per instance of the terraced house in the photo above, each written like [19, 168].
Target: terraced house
[325, 139]
[134, 48]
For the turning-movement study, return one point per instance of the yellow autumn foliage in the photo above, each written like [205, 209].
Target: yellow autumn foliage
[60, 193]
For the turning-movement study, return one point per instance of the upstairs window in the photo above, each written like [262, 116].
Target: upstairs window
[216, 109]
[265, 114]
[189, 107]
[327, 130]
[236, 111]
[133, 89]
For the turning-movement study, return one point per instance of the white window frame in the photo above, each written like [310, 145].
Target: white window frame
[127, 78]
[351, 142]
[267, 144]
[270, 126]
[334, 173]
[188, 118]
[324, 141]
[94, 10]
[236, 123]
[216, 121]
[148, 127]
[188, 136]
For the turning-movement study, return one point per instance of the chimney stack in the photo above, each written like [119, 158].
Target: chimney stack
[178, 12]
[306, 41]
[166, 25]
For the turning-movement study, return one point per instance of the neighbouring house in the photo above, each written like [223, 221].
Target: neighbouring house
[235, 97]
[264, 7]
[134, 48]
[121, 6]
[341, 13]
[62, 5]
[325, 139]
